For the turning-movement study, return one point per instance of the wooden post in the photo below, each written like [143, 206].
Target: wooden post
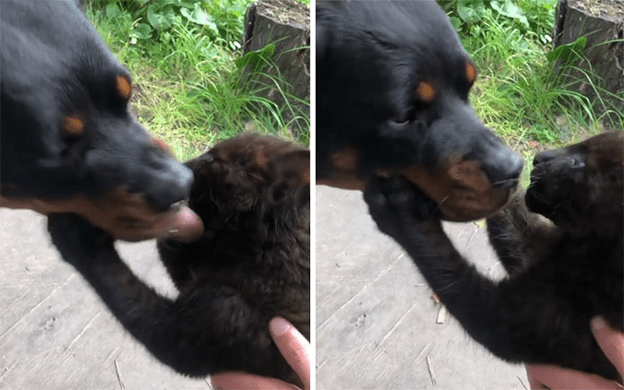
[602, 22]
[285, 23]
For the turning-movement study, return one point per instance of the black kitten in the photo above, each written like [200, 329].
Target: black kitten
[558, 282]
[252, 263]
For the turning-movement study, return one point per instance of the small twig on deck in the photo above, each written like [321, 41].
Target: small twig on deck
[441, 315]
[476, 229]
[119, 378]
[422, 351]
[431, 373]
[522, 382]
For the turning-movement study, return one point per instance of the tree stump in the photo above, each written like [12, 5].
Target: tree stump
[285, 23]
[602, 22]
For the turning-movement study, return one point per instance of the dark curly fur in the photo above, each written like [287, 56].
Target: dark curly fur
[563, 272]
[252, 263]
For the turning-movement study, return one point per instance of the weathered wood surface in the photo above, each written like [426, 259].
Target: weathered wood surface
[376, 321]
[602, 22]
[55, 333]
[285, 23]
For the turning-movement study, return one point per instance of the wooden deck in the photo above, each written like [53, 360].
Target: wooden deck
[54, 331]
[376, 320]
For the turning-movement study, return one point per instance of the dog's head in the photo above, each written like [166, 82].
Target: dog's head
[69, 142]
[392, 92]
[579, 187]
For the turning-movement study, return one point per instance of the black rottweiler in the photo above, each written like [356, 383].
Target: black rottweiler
[392, 96]
[69, 143]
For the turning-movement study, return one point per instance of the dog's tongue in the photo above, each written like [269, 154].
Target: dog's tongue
[185, 225]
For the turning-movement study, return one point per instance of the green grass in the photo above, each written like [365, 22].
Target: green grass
[190, 92]
[187, 88]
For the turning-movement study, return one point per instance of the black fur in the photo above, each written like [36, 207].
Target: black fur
[69, 141]
[372, 56]
[573, 272]
[252, 263]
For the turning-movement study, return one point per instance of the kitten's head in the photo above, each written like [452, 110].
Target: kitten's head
[251, 175]
[579, 187]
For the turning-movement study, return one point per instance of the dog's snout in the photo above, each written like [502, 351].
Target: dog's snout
[503, 167]
[172, 185]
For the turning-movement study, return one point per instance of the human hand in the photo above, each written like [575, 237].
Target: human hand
[542, 376]
[295, 349]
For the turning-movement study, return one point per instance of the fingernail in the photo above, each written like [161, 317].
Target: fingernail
[597, 322]
[278, 326]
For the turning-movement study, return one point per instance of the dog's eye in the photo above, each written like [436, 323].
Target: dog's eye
[404, 119]
[400, 122]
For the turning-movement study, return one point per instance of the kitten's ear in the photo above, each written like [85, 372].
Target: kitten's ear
[292, 167]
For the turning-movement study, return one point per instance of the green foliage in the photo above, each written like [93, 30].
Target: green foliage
[257, 59]
[569, 52]
[187, 77]
[219, 20]
[534, 18]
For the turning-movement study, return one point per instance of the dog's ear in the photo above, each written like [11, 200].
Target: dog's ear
[292, 168]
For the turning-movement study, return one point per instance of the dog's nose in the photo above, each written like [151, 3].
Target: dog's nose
[503, 167]
[173, 185]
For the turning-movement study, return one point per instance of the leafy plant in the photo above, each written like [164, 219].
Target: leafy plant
[188, 88]
[531, 17]
[221, 20]
[568, 52]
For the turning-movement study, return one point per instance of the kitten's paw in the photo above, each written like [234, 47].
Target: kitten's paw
[394, 201]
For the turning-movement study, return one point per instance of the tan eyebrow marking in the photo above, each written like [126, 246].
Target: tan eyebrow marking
[425, 92]
[73, 126]
[471, 73]
[123, 87]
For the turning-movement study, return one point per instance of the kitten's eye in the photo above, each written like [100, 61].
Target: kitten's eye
[207, 157]
[576, 162]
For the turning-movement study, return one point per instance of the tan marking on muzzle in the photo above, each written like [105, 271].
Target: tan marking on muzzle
[124, 215]
[460, 188]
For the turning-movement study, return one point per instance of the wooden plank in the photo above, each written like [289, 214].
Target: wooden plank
[54, 331]
[376, 321]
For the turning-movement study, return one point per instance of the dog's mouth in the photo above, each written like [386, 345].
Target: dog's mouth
[461, 189]
[125, 216]
[131, 217]
[177, 222]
